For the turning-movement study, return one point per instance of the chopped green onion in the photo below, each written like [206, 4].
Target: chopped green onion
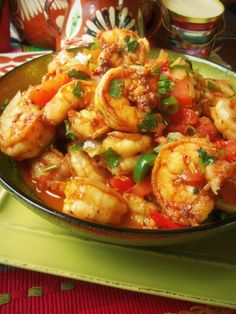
[78, 90]
[212, 86]
[143, 164]
[156, 70]
[115, 88]
[69, 134]
[149, 122]
[195, 191]
[205, 159]
[112, 158]
[50, 168]
[131, 45]
[164, 85]
[170, 105]
[79, 75]
[76, 147]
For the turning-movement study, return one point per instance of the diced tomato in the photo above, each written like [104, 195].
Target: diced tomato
[205, 128]
[121, 183]
[181, 120]
[195, 179]
[183, 93]
[44, 92]
[163, 221]
[142, 188]
[228, 148]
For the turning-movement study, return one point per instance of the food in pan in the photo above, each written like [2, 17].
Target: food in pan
[113, 136]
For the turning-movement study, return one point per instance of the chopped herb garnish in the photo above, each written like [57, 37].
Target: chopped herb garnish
[50, 168]
[164, 85]
[195, 191]
[131, 45]
[170, 105]
[127, 39]
[78, 90]
[212, 86]
[112, 158]
[115, 88]
[149, 122]
[69, 134]
[76, 147]
[79, 75]
[156, 70]
[205, 159]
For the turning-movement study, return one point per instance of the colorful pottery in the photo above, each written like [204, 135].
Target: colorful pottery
[193, 27]
[84, 19]
[4, 27]
[28, 17]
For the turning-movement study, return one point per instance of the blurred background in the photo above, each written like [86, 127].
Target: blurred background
[23, 27]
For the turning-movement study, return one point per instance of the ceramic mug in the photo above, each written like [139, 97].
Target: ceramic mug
[28, 17]
[85, 18]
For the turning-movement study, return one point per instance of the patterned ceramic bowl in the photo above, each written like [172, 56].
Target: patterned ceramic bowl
[31, 73]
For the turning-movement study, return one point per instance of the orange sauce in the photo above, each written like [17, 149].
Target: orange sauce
[55, 201]
[51, 199]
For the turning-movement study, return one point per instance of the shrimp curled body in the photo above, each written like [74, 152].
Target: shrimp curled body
[23, 133]
[137, 95]
[186, 201]
[94, 201]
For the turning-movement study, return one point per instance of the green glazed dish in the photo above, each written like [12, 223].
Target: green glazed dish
[30, 73]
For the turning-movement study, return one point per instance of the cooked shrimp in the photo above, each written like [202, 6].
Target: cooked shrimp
[180, 186]
[125, 95]
[224, 116]
[140, 210]
[125, 166]
[127, 144]
[92, 200]
[121, 47]
[87, 123]
[51, 169]
[23, 133]
[218, 172]
[77, 94]
[86, 167]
